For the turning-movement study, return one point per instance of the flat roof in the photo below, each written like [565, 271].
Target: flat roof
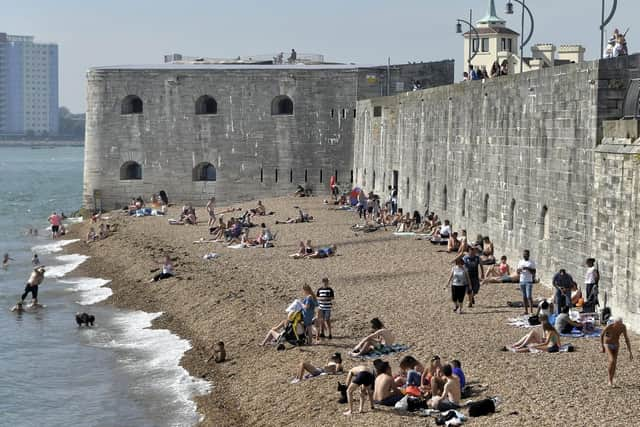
[295, 67]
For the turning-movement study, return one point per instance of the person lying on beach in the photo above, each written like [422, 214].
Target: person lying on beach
[610, 343]
[497, 271]
[360, 377]
[451, 392]
[333, 366]
[301, 251]
[385, 390]
[166, 270]
[513, 277]
[380, 337]
[325, 252]
[218, 233]
[234, 231]
[302, 217]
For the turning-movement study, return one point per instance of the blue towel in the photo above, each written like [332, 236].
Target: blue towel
[385, 351]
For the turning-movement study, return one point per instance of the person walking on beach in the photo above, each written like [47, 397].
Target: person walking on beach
[476, 273]
[460, 283]
[610, 342]
[55, 222]
[36, 278]
[325, 304]
[527, 273]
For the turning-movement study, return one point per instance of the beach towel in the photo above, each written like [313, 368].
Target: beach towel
[174, 221]
[404, 233]
[577, 333]
[385, 351]
[565, 348]
[210, 255]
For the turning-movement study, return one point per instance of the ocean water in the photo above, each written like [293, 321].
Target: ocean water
[52, 373]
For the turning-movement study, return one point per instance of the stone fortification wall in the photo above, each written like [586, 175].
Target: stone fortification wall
[514, 158]
[253, 151]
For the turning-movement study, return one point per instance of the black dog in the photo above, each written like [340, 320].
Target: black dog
[342, 388]
[84, 318]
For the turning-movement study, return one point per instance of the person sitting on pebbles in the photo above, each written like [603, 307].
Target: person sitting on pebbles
[302, 217]
[333, 366]
[380, 338]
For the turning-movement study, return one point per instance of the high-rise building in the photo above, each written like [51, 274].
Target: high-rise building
[28, 86]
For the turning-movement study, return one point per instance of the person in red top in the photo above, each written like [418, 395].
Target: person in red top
[55, 221]
[333, 186]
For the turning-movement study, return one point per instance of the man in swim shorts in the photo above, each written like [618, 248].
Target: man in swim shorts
[359, 377]
[610, 342]
[36, 278]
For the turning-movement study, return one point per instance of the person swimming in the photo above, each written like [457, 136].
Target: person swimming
[5, 260]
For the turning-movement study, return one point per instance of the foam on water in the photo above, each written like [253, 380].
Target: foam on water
[52, 247]
[153, 357]
[91, 291]
[71, 262]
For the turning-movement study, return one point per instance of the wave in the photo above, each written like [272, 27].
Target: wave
[53, 247]
[71, 262]
[91, 290]
[152, 357]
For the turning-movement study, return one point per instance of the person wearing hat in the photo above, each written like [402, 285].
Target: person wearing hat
[36, 278]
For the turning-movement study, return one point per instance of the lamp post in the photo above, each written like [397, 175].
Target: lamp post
[472, 52]
[509, 11]
[604, 22]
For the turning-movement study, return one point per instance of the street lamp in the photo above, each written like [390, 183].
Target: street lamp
[509, 11]
[604, 22]
[472, 52]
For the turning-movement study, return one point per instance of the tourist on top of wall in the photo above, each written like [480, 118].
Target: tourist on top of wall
[527, 272]
[504, 68]
[563, 282]
[495, 69]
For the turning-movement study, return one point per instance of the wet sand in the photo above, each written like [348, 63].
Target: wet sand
[236, 299]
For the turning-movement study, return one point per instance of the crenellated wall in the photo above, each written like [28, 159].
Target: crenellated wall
[515, 158]
[254, 152]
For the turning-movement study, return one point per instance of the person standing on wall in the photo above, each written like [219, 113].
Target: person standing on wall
[562, 282]
[476, 273]
[527, 272]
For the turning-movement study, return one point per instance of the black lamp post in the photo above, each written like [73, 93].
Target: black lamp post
[604, 22]
[509, 11]
[472, 51]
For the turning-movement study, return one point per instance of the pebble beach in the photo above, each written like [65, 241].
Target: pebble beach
[237, 297]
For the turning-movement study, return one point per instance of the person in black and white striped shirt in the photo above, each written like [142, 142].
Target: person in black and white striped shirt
[325, 304]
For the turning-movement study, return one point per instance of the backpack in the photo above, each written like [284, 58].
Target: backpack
[482, 407]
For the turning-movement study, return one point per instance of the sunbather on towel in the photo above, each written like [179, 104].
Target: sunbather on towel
[326, 252]
[333, 366]
[377, 340]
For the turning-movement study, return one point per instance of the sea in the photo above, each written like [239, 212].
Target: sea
[53, 373]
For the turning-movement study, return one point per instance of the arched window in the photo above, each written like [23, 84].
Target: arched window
[444, 198]
[130, 170]
[485, 209]
[463, 204]
[131, 104]
[204, 172]
[512, 211]
[206, 105]
[544, 223]
[282, 106]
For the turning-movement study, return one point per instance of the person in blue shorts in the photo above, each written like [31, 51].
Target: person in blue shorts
[325, 252]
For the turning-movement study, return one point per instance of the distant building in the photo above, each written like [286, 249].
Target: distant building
[498, 43]
[28, 86]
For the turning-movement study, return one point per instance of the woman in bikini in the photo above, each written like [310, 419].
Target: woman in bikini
[333, 366]
[550, 342]
[497, 272]
[487, 257]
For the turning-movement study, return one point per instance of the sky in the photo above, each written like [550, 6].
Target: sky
[119, 32]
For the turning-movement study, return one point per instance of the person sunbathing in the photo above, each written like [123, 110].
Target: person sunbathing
[301, 251]
[385, 390]
[277, 330]
[451, 392]
[325, 252]
[302, 217]
[487, 257]
[410, 372]
[219, 232]
[548, 340]
[259, 210]
[380, 338]
[453, 245]
[333, 366]
[498, 270]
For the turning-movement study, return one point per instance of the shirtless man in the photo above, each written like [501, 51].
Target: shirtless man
[359, 377]
[385, 391]
[610, 341]
[450, 398]
[379, 338]
[36, 278]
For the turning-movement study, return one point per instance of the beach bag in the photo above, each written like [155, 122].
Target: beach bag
[605, 313]
[534, 320]
[482, 407]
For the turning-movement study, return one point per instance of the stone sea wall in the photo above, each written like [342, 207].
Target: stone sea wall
[515, 158]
